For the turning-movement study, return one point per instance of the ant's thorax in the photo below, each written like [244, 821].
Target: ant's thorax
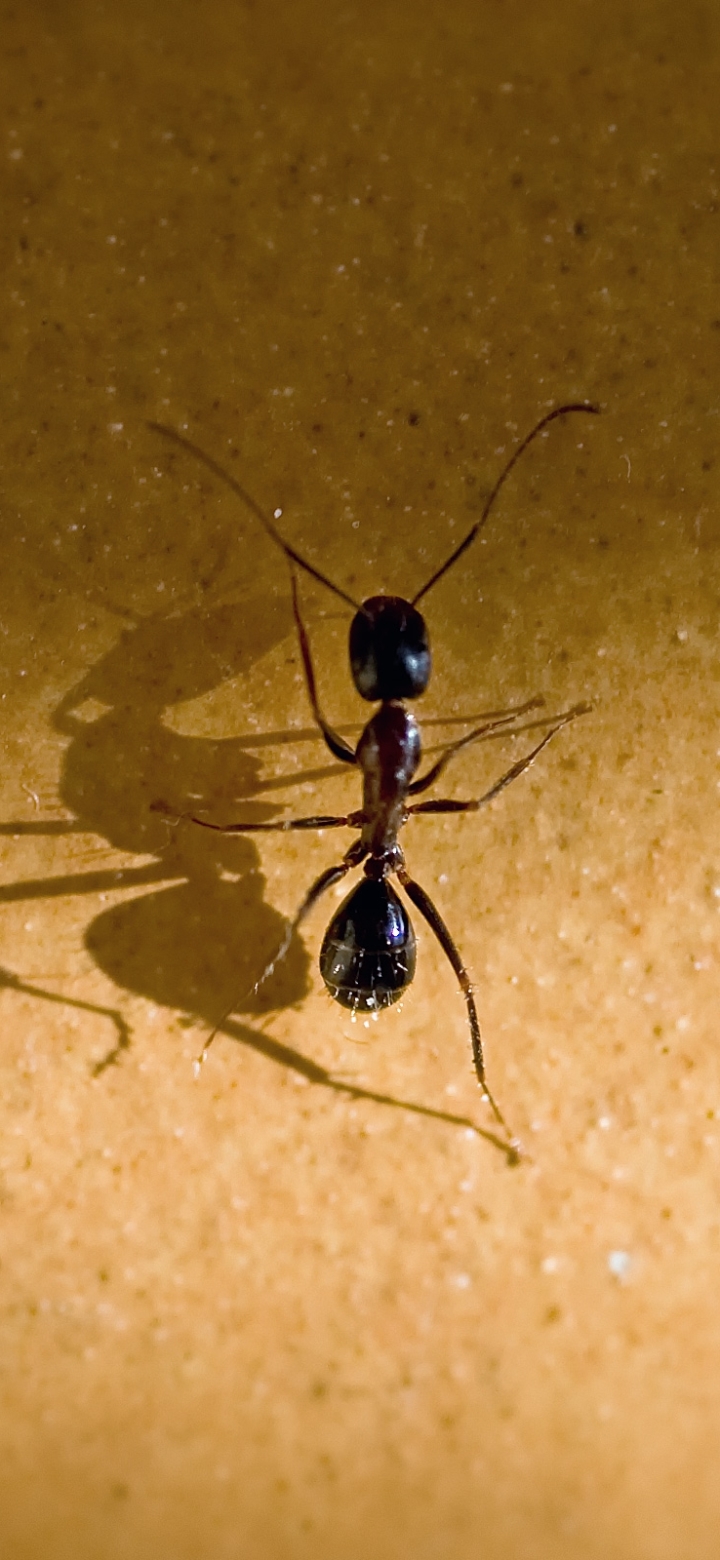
[388, 753]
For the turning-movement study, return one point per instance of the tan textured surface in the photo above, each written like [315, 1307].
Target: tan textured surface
[252, 1316]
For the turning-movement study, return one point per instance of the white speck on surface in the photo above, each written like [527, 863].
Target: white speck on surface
[619, 1263]
[604, 1123]
[461, 1280]
[550, 1264]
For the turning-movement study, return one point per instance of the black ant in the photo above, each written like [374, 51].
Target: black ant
[367, 958]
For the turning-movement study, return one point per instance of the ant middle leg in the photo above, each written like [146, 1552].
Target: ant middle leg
[446, 805]
[488, 729]
[352, 820]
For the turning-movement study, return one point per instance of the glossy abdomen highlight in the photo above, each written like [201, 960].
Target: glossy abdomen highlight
[368, 954]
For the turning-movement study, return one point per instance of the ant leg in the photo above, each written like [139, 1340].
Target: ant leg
[331, 875]
[320, 821]
[444, 805]
[337, 746]
[435, 922]
[477, 735]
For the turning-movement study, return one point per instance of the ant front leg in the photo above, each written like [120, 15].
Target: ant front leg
[437, 925]
[337, 746]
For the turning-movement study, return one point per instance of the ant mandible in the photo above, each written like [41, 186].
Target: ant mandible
[367, 958]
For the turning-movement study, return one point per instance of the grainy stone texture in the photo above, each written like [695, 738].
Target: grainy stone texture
[356, 252]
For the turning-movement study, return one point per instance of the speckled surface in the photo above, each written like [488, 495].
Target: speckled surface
[279, 1311]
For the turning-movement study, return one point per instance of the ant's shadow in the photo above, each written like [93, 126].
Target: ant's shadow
[198, 940]
[200, 934]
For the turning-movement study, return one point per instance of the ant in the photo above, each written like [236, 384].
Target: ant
[367, 958]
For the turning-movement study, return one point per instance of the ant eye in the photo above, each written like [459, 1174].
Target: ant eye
[389, 649]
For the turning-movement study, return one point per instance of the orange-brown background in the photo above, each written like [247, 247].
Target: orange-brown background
[260, 1314]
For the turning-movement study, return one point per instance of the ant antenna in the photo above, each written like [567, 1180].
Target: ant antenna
[575, 406]
[224, 476]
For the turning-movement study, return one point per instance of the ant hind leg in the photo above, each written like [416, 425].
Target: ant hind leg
[326, 880]
[424, 904]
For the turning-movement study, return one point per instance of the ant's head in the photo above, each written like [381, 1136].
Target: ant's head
[389, 649]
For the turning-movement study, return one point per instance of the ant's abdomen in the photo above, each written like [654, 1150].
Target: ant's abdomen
[368, 954]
